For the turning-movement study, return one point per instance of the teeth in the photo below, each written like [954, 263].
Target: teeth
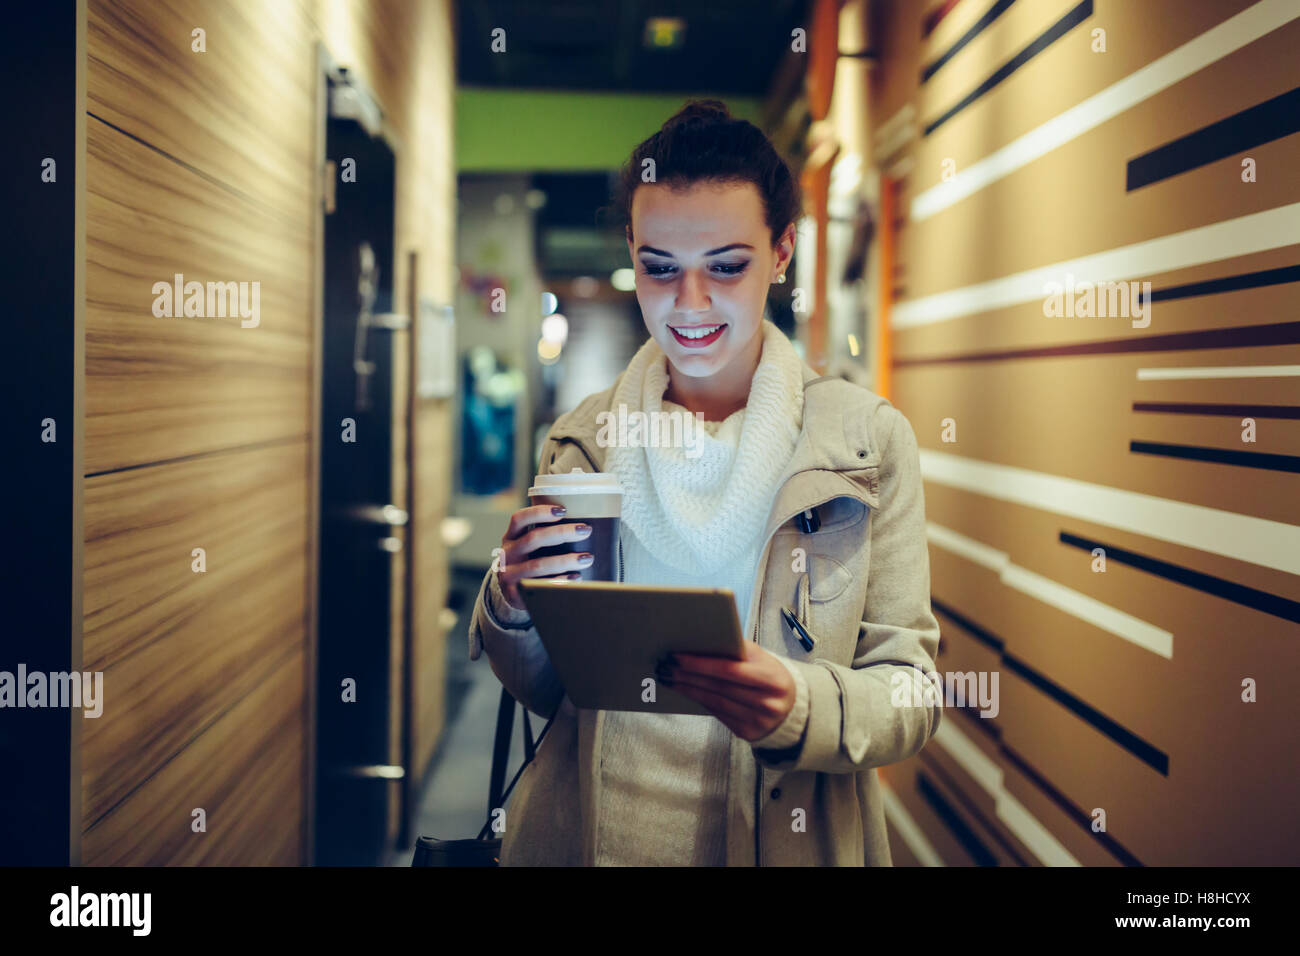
[699, 333]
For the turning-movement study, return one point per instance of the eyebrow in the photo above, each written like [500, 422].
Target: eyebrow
[712, 252]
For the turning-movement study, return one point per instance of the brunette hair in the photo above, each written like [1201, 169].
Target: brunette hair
[703, 142]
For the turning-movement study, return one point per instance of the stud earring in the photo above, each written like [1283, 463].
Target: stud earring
[781, 277]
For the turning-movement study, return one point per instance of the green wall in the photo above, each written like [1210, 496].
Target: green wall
[510, 130]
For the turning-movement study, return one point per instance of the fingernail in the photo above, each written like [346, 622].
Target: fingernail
[586, 559]
[583, 529]
[559, 511]
[575, 576]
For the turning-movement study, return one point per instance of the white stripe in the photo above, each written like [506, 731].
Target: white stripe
[1271, 544]
[1196, 54]
[1027, 829]
[1244, 235]
[1225, 371]
[909, 829]
[1076, 603]
[982, 554]
[1133, 629]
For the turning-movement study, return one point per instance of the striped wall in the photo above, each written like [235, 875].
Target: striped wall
[199, 433]
[1021, 155]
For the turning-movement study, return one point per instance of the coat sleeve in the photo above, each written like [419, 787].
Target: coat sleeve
[514, 648]
[883, 708]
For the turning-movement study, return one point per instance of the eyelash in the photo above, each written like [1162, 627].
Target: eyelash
[660, 272]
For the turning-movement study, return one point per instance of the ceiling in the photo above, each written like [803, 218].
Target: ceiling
[725, 46]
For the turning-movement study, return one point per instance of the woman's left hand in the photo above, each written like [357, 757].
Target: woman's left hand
[751, 696]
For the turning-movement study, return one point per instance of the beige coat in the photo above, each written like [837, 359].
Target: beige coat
[862, 589]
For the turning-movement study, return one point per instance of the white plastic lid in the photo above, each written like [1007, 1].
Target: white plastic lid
[577, 482]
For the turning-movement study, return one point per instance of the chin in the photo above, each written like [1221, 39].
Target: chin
[697, 366]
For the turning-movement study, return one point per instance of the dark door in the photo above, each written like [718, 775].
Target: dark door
[356, 519]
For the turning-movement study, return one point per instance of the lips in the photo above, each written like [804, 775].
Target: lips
[690, 337]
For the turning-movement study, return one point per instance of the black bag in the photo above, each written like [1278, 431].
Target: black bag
[482, 851]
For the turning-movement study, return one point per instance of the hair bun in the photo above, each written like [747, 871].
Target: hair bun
[710, 111]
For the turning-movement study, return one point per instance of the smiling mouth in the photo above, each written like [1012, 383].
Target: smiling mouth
[697, 336]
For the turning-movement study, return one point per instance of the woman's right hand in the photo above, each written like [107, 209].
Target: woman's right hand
[538, 526]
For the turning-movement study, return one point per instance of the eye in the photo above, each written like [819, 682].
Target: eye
[731, 268]
[654, 270]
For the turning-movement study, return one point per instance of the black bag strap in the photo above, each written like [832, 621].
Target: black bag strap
[501, 749]
[501, 754]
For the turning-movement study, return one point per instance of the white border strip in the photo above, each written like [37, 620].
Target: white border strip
[1196, 54]
[1076, 603]
[1271, 544]
[909, 829]
[1224, 371]
[1256, 232]
[1027, 829]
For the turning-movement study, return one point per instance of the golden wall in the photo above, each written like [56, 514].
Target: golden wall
[1112, 497]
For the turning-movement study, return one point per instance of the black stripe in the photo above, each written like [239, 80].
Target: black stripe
[992, 14]
[1277, 333]
[1219, 587]
[983, 636]
[1247, 280]
[1148, 754]
[953, 821]
[1082, 818]
[1244, 459]
[1044, 40]
[1233, 411]
[1119, 734]
[1252, 127]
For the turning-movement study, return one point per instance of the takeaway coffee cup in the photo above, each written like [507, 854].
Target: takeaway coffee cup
[593, 498]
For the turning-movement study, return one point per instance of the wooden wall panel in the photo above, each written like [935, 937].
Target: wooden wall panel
[1119, 690]
[199, 430]
[252, 813]
[179, 647]
[164, 388]
[240, 114]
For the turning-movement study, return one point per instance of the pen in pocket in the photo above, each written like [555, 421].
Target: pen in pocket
[799, 630]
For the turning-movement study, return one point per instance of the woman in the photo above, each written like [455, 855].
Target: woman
[802, 493]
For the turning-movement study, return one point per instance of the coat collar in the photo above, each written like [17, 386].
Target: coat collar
[835, 454]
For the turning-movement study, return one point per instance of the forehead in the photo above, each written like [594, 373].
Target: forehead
[699, 217]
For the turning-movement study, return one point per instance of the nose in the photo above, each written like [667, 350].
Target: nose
[691, 295]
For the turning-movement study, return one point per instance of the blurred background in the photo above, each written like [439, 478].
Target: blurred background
[277, 532]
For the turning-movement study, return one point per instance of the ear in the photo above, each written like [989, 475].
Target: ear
[785, 247]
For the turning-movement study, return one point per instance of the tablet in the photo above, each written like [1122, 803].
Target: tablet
[604, 639]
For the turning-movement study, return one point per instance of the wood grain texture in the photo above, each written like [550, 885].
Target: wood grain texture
[244, 771]
[163, 388]
[241, 112]
[196, 428]
[178, 647]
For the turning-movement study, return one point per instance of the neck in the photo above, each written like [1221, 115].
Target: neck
[721, 394]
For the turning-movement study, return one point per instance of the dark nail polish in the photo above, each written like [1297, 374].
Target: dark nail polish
[586, 559]
[559, 511]
[583, 529]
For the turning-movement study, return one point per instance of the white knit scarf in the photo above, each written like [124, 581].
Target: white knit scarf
[696, 512]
